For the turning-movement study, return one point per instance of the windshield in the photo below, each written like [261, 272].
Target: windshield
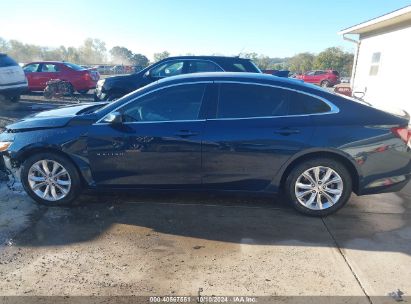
[6, 61]
[74, 66]
[113, 105]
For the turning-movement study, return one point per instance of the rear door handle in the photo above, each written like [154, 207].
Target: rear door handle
[286, 131]
[185, 133]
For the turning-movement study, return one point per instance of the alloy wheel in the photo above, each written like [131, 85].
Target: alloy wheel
[49, 180]
[319, 188]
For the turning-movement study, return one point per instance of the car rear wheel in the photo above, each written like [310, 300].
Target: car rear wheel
[50, 179]
[69, 90]
[319, 186]
[325, 84]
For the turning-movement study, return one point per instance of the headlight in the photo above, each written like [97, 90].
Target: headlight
[4, 145]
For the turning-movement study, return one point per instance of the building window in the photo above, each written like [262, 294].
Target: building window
[375, 63]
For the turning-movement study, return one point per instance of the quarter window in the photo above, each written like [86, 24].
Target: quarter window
[243, 100]
[169, 104]
[311, 105]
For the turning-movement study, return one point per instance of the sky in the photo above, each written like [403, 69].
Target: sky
[228, 27]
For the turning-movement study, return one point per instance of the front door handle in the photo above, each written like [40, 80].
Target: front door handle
[185, 133]
[286, 131]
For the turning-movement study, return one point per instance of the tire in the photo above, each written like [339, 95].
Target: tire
[47, 93]
[325, 84]
[70, 90]
[96, 99]
[67, 185]
[14, 98]
[83, 91]
[296, 182]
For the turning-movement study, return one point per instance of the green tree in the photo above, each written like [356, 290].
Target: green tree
[334, 58]
[92, 51]
[301, 63]
[139, 61]
[253, 56]
[4, 46]
[72, 55]
[121, 55]
[161, 56]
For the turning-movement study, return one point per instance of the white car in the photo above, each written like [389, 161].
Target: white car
[13, 81]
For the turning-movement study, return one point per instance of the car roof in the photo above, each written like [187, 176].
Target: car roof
[211, 57]
[242, 77]
[47, 61]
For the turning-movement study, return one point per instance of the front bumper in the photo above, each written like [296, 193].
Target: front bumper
[99, 94]
[7, 166]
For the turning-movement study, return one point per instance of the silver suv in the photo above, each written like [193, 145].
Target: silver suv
[13, 81]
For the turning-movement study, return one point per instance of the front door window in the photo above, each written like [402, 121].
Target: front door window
[167, 69]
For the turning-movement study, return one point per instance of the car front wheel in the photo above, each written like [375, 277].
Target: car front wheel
[325, 84]
[318, 186]
[50, 179]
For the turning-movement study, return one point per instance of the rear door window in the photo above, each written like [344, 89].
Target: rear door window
[49, 68]
[199, 66]
[6, 61]
[246, 101]
[253, 101]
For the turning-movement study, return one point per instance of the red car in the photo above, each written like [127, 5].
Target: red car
[39, 73]
[327, 78]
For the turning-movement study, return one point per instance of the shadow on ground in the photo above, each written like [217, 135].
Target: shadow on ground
[244, 220]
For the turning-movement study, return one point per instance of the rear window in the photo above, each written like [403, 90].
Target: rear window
[74, 66]
[6, 61]
[336, 73]
[239, 66]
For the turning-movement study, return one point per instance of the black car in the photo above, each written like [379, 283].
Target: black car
[239, 132]
[115, 87]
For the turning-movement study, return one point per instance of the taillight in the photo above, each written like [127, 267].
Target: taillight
[404, 133]
[87, 76]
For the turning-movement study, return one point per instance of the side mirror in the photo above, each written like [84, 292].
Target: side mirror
[114, 118]
[147, 74]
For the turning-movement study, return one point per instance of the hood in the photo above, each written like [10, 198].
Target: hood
[55, 118]
[130, 77]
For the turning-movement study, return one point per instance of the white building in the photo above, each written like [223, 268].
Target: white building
[382, 64]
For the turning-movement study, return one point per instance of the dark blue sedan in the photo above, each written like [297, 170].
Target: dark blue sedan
[215, 132]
